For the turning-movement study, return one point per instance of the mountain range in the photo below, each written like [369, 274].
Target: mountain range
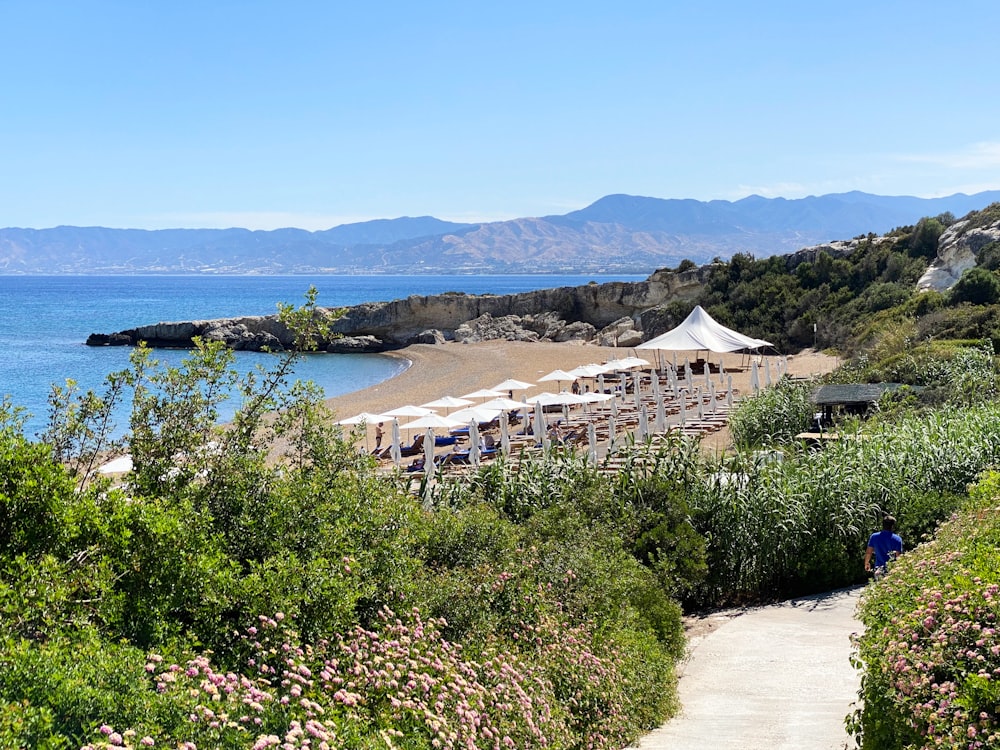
[617, 233]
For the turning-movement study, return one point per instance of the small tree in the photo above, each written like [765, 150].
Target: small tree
[977, 287]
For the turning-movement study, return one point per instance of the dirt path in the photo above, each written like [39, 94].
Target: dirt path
[772, 678]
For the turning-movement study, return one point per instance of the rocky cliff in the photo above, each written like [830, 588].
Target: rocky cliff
[609, 313]
[960, 248]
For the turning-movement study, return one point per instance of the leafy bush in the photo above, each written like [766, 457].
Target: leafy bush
[34, 492]
[978, 286]
[400, 682]
[800, 524]
[930, 650]
[775, 415]
[569, 632]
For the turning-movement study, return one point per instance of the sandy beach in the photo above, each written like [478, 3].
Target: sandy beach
[454, 369]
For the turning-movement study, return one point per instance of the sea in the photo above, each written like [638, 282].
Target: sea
[45, 321]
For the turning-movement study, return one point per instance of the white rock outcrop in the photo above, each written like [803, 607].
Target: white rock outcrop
[958, 250]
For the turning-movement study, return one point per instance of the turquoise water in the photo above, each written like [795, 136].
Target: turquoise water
[46, 320]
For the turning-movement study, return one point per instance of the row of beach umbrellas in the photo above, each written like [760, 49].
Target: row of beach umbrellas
[492, 402]
[486, 404]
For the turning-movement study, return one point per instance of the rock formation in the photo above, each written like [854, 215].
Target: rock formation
[607, 312]
[958, 251]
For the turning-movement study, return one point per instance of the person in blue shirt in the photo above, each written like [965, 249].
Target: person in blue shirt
[885, 545]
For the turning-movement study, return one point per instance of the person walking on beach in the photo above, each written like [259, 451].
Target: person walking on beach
[885, 545]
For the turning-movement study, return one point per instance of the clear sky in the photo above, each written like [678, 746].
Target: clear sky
[313, 113]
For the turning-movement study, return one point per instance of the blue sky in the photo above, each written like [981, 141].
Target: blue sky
[311, 114]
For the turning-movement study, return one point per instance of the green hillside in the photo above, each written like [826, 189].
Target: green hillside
[853, 295]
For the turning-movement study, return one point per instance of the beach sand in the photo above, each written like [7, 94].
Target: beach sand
[454, 369]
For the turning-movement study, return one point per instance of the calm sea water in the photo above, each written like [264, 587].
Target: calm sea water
[46, 320]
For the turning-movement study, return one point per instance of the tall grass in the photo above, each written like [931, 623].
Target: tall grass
[775, 415]
[801, 524]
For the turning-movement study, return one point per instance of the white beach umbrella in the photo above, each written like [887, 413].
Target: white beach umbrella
[767, 372]
[547, 398]
[600, 382]
[429, 452]
[502, 404]
[661, 415]
[559, 376]
[675, 361]
[612, 430]
[484, 393]
[539, 424]
[512, 385]
[587, 371]
[754, 378]
[120, 465]
[447, 402]
[476, 414]
[634, 361]
[711, 396]
[504, 436]
[683, 413]
[592, 442]
[701, 406]
[593, 397]
[474, 443]
[657, 388]
[432, 421]
[614, 365]
[636, 388]
[708, 373]
[397, 450]
[614, 406]
[365, 417]
[643, 422]
[525, 415]
[408, 411]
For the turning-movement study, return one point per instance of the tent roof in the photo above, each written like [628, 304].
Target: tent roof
[700, 331]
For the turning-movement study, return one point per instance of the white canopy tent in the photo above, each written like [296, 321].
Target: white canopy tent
[700, 331]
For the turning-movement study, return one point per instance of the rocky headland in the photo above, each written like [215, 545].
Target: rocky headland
[615, 313]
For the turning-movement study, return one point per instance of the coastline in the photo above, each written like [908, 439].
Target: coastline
[454, 369]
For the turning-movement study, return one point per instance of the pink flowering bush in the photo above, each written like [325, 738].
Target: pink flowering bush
[534, 619]
[931, 652]
[401, 684]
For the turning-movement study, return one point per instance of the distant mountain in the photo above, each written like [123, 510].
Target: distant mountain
[616, 233]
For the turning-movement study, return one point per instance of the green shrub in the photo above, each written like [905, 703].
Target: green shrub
[800, 524]
[775, 415]
[930, 652]
[977, 286]
[34, 492]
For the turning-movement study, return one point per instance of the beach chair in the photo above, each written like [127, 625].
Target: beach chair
[417, 446]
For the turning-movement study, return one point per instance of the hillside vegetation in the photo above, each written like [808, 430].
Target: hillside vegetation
[853, 293]
[226, 597]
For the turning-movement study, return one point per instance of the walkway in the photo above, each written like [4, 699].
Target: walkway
[773, 678]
